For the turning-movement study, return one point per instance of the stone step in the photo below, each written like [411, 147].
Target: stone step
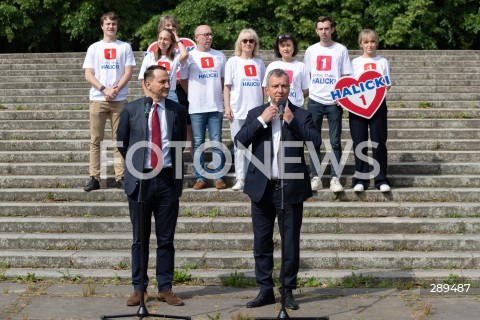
[428, 85]
[59, 104]
[421, 57]
[215, 276]
[351, 226]
[397, 181]
[78, 134]
[212, 242]
[392, 144]
[396, 65]
[57, 195]
[397, 78]
[411, 168]
[394, 112]
[393, 124]
[59, 92]
[27, 134]
[407, 54]
[437, 96]
[83, 156]
[111, 259]
[442, 92]
[243, 209]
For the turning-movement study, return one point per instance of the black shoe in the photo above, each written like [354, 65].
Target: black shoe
[262, 299]
[290, 302]
[120, 184]
[92, 185]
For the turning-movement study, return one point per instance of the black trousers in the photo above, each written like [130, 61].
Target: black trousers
[359, 127]
[161, 201]
[263, 220]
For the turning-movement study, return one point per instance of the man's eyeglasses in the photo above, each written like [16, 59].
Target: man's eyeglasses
[206, 35]
[284, 37]
[244, 41]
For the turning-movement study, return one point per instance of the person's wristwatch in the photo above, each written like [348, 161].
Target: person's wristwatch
[101, 88]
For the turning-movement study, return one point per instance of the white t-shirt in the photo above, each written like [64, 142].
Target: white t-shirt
[326, 65]
[171, 66]
[377, 63]
[245, 77]
[299, 79]
[205, 71]
[108, 59]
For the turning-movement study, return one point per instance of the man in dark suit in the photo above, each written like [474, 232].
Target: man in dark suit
[160, 164]
[277, 145]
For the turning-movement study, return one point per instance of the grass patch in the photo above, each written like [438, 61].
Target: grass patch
[182, 276]
[69, 277]
[424, 104]
[89, 288]
[237, 280]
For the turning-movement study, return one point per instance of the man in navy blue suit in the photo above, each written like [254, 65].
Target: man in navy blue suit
[160, 165]
[277, 143]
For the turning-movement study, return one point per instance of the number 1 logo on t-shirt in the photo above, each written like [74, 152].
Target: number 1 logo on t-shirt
[207, 62]
[369, 66]
[324, 63]
[290, 75]
[250, 70]
[165, 64]
[110, 54]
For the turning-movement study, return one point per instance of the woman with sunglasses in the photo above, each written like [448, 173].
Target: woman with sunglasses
[244, 73]
[286, 49]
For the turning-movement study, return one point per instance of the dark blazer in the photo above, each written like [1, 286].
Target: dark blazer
[253, 133]
[132, 129]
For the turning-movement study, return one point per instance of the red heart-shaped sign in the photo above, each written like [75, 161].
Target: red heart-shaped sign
[364, 96]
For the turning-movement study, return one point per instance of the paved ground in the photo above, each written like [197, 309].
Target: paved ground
[44, 300]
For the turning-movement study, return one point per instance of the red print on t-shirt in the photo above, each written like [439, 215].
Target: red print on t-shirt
[165, 64]
[324, 63]
[110, 54]
[207, 62]
[250, 70]
[290, 75]
[369, 66]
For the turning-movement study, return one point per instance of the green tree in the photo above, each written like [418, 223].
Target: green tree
[67, 25]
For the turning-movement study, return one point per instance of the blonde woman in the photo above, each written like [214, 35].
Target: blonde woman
[244, 73]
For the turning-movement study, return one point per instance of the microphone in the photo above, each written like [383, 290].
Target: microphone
[148, 106]
[281, 107]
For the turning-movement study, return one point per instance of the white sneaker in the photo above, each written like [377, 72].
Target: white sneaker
[359, 187]
[385, 188]
[335, 185]
[316, 183]
[239, 185]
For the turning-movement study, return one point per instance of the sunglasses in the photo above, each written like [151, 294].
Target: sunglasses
[284, 37]
[248, 40]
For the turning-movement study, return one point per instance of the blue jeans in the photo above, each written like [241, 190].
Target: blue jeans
[334, 117]
[200, 123]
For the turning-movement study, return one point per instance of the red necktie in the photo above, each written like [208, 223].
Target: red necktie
[156, 137]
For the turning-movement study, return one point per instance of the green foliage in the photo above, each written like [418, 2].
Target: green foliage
[66, 25]
[237, 280]
[182, 276]
[358, 281]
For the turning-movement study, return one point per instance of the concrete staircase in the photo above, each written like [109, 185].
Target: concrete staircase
[426, 229]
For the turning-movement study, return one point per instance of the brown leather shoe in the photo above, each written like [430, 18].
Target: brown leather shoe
[134, 299]
[170, 298]
[219, 184]
[200, 184]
